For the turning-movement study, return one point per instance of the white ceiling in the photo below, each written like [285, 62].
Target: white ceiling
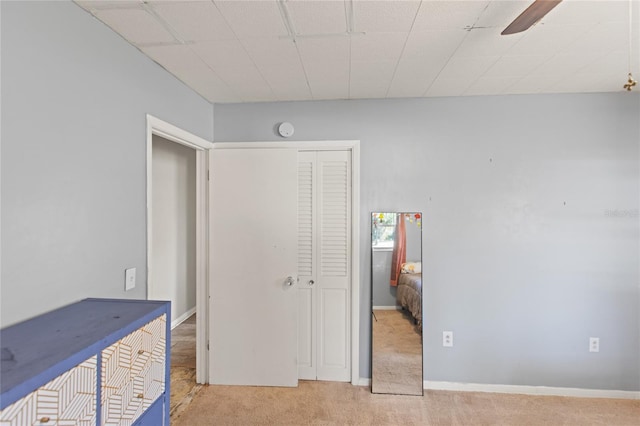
[276, 50]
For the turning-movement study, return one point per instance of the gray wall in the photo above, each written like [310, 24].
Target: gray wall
[383, 293]
[74, 99]
[530, 229]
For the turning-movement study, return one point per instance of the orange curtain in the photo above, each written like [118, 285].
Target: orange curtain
[399, 255]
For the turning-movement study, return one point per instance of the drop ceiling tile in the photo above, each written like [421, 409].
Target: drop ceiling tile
[321, 92]
[409, 88]
[384, 16]
[444, 86]
[271, 51]
[571, 12]
[108, 4]
[233, 65]
[328, 80]
[561, 65]
[251, 93]
[615, 63]
[486, 42]
[179, 59]
[490, 85]
[430, 44]
[253, 18]
[500, 13]
[370, 79]
[604, 38]
[317, 17]
[245, 81]
[412, 79]
[182, 62]
[547, 39]
[194, 21]
[564, 52]
[286, 80]
[515, 66]
[467, 68]
[533, 83]
[378, 46]
[323, 50]
[586, 83]
[448, 14]
[224, 53]
[136, 25]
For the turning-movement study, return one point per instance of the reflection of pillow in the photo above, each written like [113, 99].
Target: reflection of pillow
[411, 268]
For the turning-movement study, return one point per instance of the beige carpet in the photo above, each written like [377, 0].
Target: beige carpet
[397, 354]
[330, 403]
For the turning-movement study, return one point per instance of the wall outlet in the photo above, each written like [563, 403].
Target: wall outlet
[594, 344]
[129, 279]
[447, 338]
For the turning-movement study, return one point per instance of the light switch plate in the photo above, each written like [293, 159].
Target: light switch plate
[447, 339]
[129, 279]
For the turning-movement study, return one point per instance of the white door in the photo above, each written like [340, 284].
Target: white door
[324, 265]
[253, 310]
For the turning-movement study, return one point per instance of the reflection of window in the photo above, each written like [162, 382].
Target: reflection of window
[384, 225]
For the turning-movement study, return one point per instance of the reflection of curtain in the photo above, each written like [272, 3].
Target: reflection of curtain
[399, 255]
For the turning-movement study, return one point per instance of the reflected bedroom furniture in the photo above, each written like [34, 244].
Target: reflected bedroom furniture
[94, 362]
[409, 295]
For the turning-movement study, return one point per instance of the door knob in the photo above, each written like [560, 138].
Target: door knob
[290, 281]
[311, 282]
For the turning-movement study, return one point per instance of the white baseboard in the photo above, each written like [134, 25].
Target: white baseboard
[182, 318]
[522, 390]
[532, 390]
[387, 308]
[363, 382]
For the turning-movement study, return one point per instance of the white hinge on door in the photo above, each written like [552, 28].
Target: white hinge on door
[207, 345]
[208, 175]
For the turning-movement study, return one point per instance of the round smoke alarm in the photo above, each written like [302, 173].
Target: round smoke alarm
[285, 129]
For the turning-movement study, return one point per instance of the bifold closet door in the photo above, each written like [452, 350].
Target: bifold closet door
[324, 267]
[253, 312]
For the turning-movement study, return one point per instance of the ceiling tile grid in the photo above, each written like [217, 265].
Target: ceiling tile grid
[271, 50]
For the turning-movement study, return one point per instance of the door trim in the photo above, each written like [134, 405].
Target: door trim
[354, 147]
[168, 131]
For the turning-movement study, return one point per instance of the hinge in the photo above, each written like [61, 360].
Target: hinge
[207, 345]
[207, 174]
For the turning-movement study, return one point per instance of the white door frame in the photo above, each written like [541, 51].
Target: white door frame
[161, 128]
[354, 147]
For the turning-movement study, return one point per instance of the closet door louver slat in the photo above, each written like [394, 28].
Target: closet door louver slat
[305, 218]
[334, 220]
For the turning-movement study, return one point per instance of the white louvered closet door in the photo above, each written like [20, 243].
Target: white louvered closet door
[324, 267]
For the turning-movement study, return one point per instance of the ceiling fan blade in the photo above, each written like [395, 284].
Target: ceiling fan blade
[530, 16]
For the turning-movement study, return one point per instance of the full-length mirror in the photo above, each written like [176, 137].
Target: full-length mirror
[396, 323]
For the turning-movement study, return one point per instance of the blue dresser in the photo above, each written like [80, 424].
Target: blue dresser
[97, 362]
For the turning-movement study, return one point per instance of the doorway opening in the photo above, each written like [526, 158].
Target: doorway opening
[183, 158]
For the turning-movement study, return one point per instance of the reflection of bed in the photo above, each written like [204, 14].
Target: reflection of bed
[409, 295]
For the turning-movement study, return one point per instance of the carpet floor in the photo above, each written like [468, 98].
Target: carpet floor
[330, 403]
[397, 353]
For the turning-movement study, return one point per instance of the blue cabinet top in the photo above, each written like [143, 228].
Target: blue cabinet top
[39, 349]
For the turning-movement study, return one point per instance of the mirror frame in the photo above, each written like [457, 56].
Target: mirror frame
[419, 217]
